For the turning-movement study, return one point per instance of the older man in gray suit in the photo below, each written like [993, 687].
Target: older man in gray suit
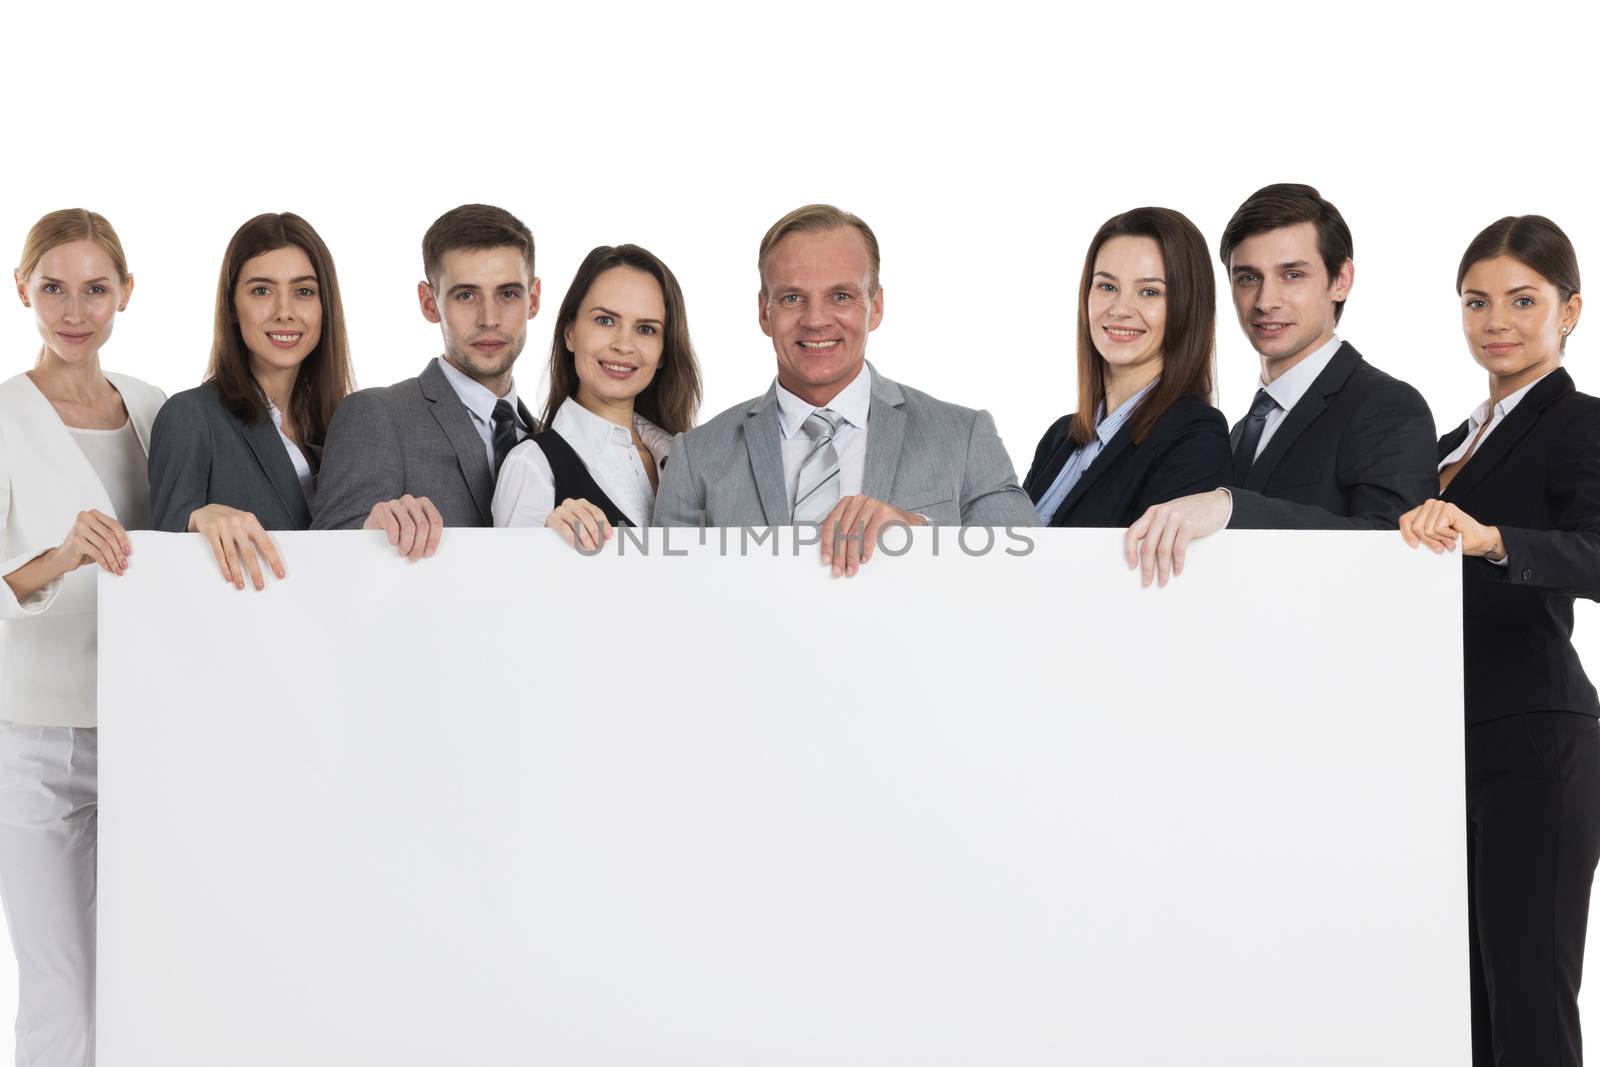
[415, 457]
[832, 441]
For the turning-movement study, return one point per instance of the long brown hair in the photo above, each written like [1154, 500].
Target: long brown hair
[673, 395]
[324, 379]
[63, 227]
[1189, 345]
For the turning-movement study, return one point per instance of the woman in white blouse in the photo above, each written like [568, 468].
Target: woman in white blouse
[72, 484]
[623, 381]
[235, 457]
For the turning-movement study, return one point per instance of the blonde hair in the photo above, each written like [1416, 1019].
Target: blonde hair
[817, 218]
[64, 227]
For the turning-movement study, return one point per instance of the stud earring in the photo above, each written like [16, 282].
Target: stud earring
[1565, 330]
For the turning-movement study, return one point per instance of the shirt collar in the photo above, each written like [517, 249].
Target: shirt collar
[1106, 426]
[589, 433]
[1486, 413]
[477, 397]
[1293, 383]
[852, 404]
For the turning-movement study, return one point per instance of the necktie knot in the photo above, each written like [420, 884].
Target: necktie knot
[823, 423]
[1264, 405]
[504, 438]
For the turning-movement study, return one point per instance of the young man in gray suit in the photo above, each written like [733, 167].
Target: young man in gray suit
[415, 457]
[832, 441]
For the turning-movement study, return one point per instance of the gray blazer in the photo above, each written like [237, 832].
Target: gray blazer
[201, 453]
[923, 455]
[415, 437]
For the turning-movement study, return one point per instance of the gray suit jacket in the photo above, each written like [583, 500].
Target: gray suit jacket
[923, 455]
[201, 453]
[415, 437]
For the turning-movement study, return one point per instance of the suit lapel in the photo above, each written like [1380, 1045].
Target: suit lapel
[761, 433]
[1302, 415]
[262, 437]
[456, 422]
[1504, 438]
[1452, 440]
[67, 448]
[1119, 443]
[886, 429]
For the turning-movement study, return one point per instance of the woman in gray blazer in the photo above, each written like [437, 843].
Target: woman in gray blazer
[237, 456]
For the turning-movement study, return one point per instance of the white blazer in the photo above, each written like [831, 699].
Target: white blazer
[47, 642]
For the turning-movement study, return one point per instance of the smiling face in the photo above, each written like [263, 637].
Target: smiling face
[1127, 305]
[482, 300]
[1513, 318]
[75, 295]
[616, 341]
[1283, 296]
[818, 308]
[278, 300]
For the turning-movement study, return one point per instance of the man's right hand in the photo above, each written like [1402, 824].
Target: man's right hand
[413, 524]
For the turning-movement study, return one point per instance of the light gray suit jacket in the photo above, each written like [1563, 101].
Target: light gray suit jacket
[415, 437]
[923, 456]
[201, 453]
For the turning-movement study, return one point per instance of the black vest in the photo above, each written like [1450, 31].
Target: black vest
[573, 480]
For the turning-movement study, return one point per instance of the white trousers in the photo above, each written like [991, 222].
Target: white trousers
[48, 803]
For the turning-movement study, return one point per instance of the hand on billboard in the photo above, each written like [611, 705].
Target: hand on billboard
[1442, 526]
[413, 524]
[850, 531]
[580, 524]
[237, 539]
[1159, 540]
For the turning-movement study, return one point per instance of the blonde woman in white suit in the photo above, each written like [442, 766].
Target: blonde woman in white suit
[73, 446]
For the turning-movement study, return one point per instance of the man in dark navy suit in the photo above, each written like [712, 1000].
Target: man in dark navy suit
[1330, 442]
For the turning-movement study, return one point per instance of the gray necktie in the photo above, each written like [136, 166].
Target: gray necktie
[818, 489]
[1250, 431]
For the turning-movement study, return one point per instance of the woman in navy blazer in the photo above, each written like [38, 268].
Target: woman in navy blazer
[1145, 430]
[1519, 493]
[237, 456]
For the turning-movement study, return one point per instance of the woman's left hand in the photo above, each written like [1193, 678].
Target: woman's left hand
[1441, 526]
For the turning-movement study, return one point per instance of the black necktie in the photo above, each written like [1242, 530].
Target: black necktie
[1244, 453]
[505, 433]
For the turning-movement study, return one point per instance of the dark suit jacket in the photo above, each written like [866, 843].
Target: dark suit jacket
[1355, 453]
[1537, 478]
[414, 437]
[1185, 452]
[201, 453]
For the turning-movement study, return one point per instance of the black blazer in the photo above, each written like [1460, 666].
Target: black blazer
[202, 453]
[1185, 452]
[1355, 453]
[1537, 478]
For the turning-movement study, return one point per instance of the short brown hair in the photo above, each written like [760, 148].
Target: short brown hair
[817, 218]
[673, 395]
[1533, 241]
[324, 379]
[1288, 204]
[1189, 344]
[474, 226]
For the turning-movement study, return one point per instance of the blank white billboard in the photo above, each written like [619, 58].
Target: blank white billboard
[690, 805]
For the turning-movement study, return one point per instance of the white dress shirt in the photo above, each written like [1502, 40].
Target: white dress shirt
[1293, 384]
[850, 441]
[302, 466]
[1494, 415]
[480, 402]
[525, 495]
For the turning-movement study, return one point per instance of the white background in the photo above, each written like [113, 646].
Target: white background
[926, 816]
[983, 142]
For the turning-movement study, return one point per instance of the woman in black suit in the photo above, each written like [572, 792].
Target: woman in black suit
[237, 456]
[1145, 431]
[1519, 492]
